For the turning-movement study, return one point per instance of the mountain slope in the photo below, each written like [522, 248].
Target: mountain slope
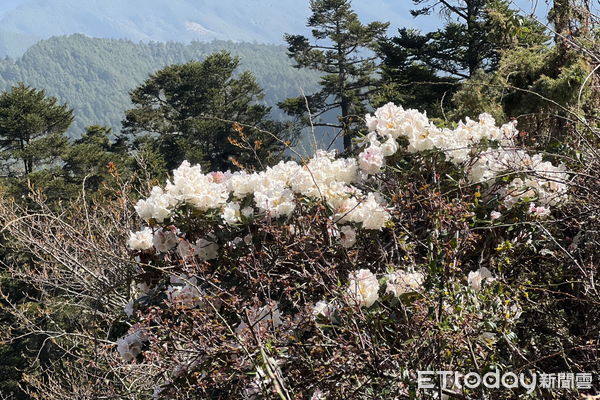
[94, 76]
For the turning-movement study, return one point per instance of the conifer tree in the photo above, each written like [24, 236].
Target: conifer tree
[32, 128]
[342, 50]
[421, 70]
[188, 109]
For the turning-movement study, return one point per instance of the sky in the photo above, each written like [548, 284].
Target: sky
[185, 20]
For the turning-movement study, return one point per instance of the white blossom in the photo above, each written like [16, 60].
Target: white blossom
[371, 160]
[157, 206]
[400, 282]
[191, 186]
[141, 240]
[348, 236]
[363, 288]
[231, 213]
[476, 278]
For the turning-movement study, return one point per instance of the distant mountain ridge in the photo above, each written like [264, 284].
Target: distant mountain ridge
[95, 76]
[262, 21]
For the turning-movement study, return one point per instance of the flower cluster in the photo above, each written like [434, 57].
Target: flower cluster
[391, 122]
[237, 203]
[534, 178]
[400, 282]
[274, 191]
[131, 345]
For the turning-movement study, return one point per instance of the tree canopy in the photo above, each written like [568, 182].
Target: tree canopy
[190, 109]
[31, 128]
[342, 50]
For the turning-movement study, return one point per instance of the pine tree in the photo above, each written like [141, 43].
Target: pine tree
[95, 158]
[32, 128]
[542, 84]
[343, 51]
[189, 110]
[427, 69]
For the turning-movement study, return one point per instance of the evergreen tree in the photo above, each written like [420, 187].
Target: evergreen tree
[342, 51]
[474, 35]
[543, 85]
[32, 128]
[407, 81]
[189, 110]
[423, 69]
[95, 158]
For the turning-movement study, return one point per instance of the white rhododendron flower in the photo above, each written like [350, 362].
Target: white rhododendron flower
[206, 250]
[141, 240]
[324, 308]
[276, 202]
[157, 206]
[131, 345]
[401, 282]
[389, 147]
[363, 288]
[326, 177]
[185, 291]
[476, 278]
[164, 240]
[202, 191]
[371, 213]
[348, 236]
[371, 160]
[231, 213]
[541, 181]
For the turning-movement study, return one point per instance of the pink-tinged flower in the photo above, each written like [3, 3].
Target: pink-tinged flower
[539, 211]
[218, 177]
[371, 160]
[348, 236]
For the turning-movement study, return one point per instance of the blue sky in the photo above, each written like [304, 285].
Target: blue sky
[184, 20]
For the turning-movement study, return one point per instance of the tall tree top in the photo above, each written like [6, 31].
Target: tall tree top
[343, 49]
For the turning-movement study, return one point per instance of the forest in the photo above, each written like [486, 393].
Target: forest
[364, 213]
[94, 76]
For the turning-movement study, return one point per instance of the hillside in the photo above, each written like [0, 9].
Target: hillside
[94, 76]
